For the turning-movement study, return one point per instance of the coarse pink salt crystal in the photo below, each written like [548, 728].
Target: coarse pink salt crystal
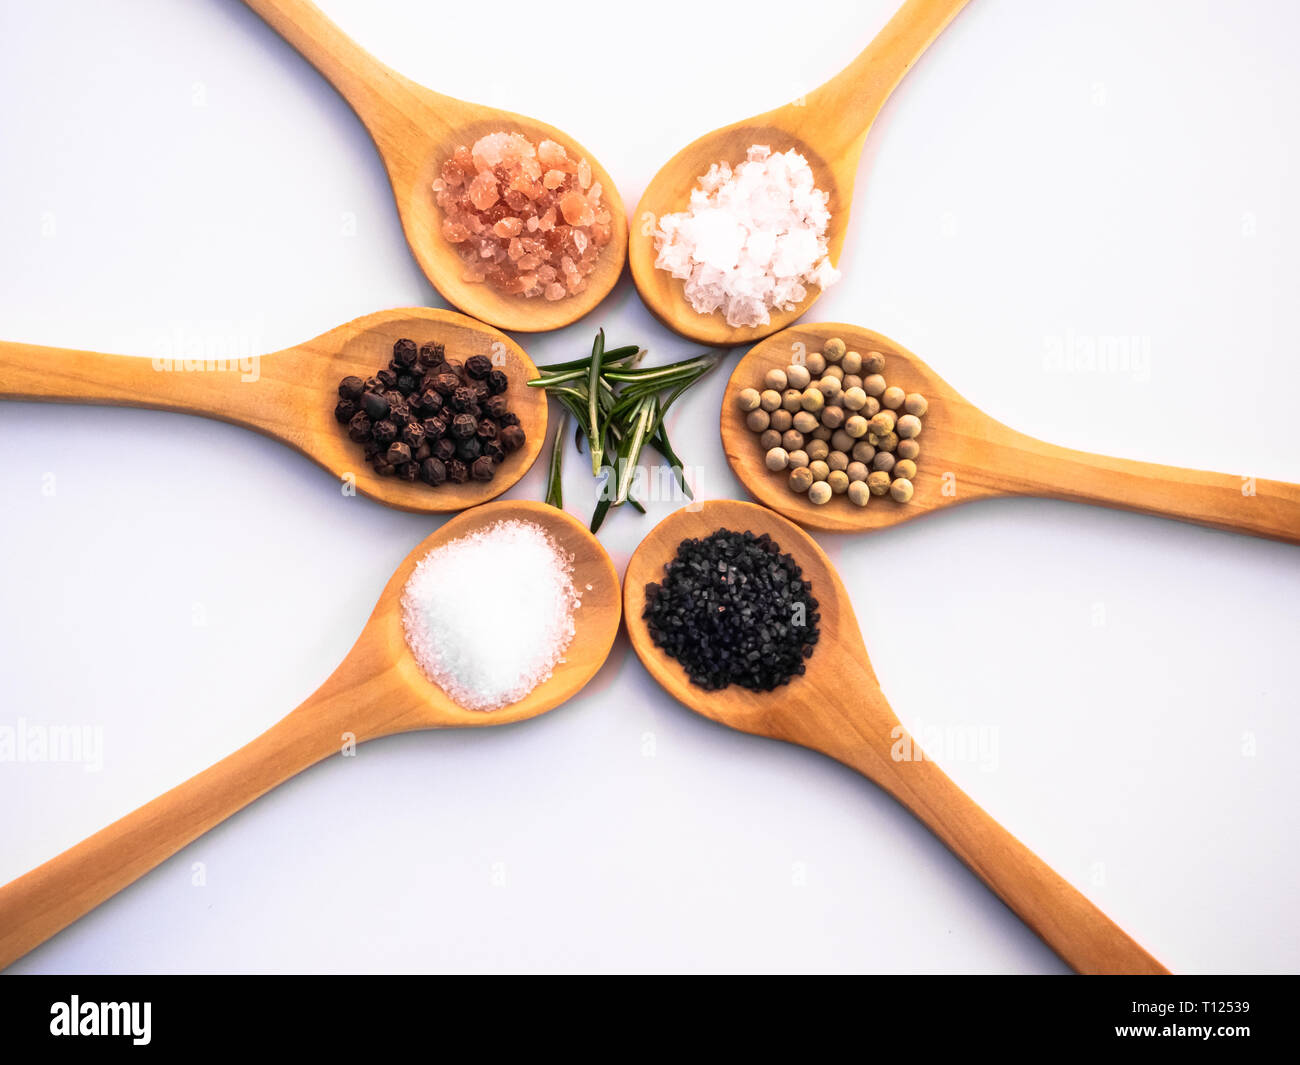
[527, 219]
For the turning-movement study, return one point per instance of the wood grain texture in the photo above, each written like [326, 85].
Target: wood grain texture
[837, 708]
[415, 131]
[828, 126]
[378, 690]
[967, 455]
[292, 394]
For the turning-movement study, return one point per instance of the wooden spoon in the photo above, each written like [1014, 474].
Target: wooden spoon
[828, 127]
[378, 690]
[968, 455]
[837, 708]
[415, 131]
[291, 394]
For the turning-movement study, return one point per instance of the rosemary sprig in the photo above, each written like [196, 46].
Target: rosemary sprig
[619, 407]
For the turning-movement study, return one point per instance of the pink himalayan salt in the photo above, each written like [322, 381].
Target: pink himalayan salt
[527, 219]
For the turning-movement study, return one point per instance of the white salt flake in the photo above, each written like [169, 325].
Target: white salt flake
[752, 239]
[489, 615]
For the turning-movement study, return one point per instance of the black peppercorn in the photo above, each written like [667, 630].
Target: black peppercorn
[344, 410]
[431, 355]
[453, 366]
[482, 469]
[422, 452]
[384, 432]
[444, 448]
[398, 453]
[487, 430]
[408, 471]
[405, 352]
[384, 469]
[511, 437]
[371, 450]
[496, 406]
[434, 427]
[469, 450]
[433, 472]
[430, 401]
[359, 428]
[463, 399]
[509, 418]
[387, 378]
[446, 383]
[407, 383]
[457, 472]
[478, 366]
[493, 450]
[351, 387]
[398, 407]
[375, 406]
[497, 382]
[413, 434]
[464, 426]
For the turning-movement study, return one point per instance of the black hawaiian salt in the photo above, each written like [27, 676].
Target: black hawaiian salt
[732, 609]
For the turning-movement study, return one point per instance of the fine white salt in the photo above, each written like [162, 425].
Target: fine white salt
[753, 239]
[489, 615]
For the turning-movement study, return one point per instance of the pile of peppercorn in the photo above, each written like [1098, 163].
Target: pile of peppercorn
[732, 609]
[429, 417]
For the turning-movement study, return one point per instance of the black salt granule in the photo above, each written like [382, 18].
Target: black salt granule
[732, 609]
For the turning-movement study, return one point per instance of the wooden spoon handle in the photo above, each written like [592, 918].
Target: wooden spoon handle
[363, 81]
[1064, 919]
[46, 900]
[61, 375]
[852, 99]
[1223, 501]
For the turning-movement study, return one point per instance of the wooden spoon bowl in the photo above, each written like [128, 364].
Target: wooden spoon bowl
[378, 690]
[828, 127]
[416, 130]
[837, 708]
[968, 455]
[291, 394]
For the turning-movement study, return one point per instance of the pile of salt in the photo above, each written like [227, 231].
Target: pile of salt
[489, 615]
[752, 239]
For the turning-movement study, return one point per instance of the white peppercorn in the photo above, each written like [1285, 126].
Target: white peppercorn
[792, 400]
[857, 427]
[805, 421]
[776, 459]
[797, 376]
[758, 420]
[874, 362]
[901, 489]
[839, 482]
[792, 440]
[835, 372]
[908, 449]
[857, 471]
[819, 493]
[776, 379]
[834, 349]
[916, 404]
[854, 398]
[893, 397]
[904, 468]
[871, 408]
[748, 399]
[833, 417]
[841, 441]
[829, 387]
[837, 460]
[798, 457]
[821, 433]
[769, 399]
[878, 482]
[813, 400]
[801, 479]
[883, 461]
[882, 422]
[909, 425]
[859, 493]
[820, 470]
[768, 439]
[817, 449]
[816, 363]
[884, 441]
[851, 380]
[873, 384]
[852, 362]
[863, 451]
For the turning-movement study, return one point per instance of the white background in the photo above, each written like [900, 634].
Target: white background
[174, 173]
